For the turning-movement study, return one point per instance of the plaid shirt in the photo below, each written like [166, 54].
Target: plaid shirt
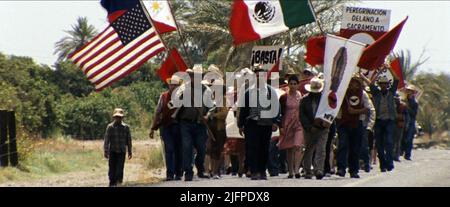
[117, 137]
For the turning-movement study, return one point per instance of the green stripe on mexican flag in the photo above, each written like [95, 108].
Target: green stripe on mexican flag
[253, 20]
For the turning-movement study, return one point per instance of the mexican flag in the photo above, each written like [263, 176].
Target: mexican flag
[253, 20]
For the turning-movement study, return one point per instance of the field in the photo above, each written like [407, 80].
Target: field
[67, 162]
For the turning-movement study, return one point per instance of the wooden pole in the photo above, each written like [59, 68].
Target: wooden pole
[13, 156]
[317, 19]
[3, 139]
[183, 40]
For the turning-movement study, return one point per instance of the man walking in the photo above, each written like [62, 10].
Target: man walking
[170, 131]
[256, 127]
[383, 100]
[117, 143]
[316, 130]
[355, 107]
[192, 121]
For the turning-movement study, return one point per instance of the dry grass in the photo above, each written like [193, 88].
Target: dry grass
[67, 162]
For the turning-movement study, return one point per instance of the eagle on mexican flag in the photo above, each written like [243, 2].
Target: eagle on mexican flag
[256, 19]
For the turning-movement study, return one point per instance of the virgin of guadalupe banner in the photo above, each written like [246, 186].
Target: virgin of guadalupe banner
[341, 57]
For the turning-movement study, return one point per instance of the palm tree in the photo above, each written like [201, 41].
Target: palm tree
[80, 34]
[205, 27]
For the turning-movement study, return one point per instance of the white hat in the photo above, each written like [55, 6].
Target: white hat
[411, 87]
[315, 85]
[174, 80]
[118, 112]
[195, 69]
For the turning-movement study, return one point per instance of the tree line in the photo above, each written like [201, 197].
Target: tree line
[59, 100]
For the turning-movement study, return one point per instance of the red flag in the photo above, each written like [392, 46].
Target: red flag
[173, 63]
[396, 67]
[374, 55]
[275, 68]
[315, 50]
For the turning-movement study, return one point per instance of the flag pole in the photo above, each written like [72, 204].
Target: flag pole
[157, 33]
[183, 40]
[317, 19]
[151, 22]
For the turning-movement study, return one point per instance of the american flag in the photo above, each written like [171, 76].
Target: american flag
[120, 49]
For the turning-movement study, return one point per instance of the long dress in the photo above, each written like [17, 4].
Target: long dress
[293, 130]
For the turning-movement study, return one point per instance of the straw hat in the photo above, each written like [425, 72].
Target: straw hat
[315, 85]
[214, 69]
[174, 80]
[411, 88]
[195, 69]
[118, 112]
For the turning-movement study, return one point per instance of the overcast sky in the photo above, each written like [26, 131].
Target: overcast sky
[30, 28]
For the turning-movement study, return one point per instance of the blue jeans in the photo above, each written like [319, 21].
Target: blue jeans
[173, 150]
[349, 147]
[384, 132]
[194, 135]
[409, 139]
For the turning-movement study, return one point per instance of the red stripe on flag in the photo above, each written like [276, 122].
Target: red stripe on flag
[87, 44]
[128, 61]
[107, 46]
[94, 46]
[132, 69]
[123, 54]
[106, 56]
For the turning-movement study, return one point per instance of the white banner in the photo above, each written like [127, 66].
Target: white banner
[341, 57]
[366, 19]
[267, 56]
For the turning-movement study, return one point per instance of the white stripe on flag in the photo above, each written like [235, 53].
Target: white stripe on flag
[129, 66]
[81, 52]
[123, 59]
[112, 57]
[102, 54]
[100, 46]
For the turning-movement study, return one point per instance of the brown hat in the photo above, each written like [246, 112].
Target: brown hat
[118, 112]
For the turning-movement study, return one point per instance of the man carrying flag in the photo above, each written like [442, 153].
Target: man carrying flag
[128, 42]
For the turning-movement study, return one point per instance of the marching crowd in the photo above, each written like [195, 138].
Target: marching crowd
[375, 119]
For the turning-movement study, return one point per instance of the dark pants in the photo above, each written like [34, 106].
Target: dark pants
[258, 138]
[315, 144]
[173, 150]
[365, 154]
[398, 138]
[349, 147]
[116, 163]
[329, 148]
[277, 159]
[193, 135]
[409, 139]
[384, 131]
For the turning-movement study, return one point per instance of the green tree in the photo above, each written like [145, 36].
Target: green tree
[80, 34]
